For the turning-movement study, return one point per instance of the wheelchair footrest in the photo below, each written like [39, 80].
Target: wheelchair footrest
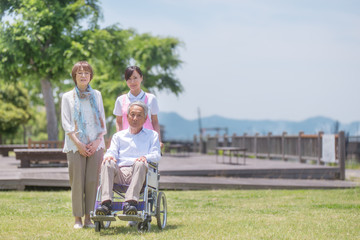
[136, 218]
[104, 218]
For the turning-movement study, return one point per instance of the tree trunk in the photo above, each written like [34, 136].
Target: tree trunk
[24, 135]
[52, 126]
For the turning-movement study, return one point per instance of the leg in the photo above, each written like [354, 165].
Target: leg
[76, 164]
[137, 181]
[92, 177]
[109, 171]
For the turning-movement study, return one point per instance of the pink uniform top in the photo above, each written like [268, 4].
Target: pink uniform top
[125, 122]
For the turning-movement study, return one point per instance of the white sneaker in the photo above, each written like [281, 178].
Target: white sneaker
[78, 226]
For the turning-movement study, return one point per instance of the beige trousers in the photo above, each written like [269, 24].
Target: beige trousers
[83, 176]
[133, 176]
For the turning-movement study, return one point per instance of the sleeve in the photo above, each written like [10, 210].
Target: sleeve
[66, 118]
[154, 107]
[118, 106]
[102, 111]
[154, 151]
[114, 148]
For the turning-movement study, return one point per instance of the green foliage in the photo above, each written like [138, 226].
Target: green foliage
[45, 38]
[33, 45]
[14, 107]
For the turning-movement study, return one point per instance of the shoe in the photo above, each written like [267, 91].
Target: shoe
[104, 209]
[90, 225]
[129, 208]
[78, 226]
[132, 223]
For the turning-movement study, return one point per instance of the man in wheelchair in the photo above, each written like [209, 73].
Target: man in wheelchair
[126, 161]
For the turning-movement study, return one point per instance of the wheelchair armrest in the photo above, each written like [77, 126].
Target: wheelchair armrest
[153, 165]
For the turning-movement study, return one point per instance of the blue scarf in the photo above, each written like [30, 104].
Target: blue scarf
[80, 128]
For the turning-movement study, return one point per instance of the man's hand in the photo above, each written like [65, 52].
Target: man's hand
[108, 159]
[141, 159]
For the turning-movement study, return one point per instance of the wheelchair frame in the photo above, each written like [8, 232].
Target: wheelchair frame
[152, 204]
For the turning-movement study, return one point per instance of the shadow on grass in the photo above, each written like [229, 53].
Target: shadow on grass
[46, 189]
[116, 230]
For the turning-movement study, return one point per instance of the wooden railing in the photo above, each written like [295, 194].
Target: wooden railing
[301, 147]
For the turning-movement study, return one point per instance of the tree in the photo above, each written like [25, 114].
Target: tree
[14, 108]
[46, 38]
[33, 45]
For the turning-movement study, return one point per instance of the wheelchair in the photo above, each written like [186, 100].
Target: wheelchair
[152, 203]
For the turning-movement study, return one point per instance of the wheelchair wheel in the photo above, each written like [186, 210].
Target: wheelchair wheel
[161, 210]
[144, 226]
[97, 226]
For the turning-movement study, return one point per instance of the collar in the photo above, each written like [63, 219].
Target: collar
[142, 131]
[138, 97]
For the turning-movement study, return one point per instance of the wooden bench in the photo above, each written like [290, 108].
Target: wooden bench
[49, 155]
[41, 152]
[231, 150]
[5, 149]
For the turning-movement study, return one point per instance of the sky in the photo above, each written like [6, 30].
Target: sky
[255, 59]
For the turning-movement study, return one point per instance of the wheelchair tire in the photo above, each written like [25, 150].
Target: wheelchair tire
[144, 226]
[97, 226]
[161, 210]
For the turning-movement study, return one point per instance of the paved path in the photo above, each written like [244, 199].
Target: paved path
[198, 168]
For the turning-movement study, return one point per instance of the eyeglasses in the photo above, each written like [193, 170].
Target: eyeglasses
[83, 73]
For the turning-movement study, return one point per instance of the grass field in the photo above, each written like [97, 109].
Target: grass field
[227, 214]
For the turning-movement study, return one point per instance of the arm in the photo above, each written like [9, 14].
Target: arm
[119, 125]
[93, 146]
[154, 150]
[156, 125]
[69, 126]
[112, 154]
[154, 118]
[118, 113]
[80, 146]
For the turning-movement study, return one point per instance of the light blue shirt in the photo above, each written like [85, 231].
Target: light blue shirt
[126, 147]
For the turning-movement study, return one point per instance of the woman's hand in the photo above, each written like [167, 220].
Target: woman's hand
[82, 149]
[92, 147]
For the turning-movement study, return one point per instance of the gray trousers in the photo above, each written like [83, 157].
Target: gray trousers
[84, 178]
[134, 176]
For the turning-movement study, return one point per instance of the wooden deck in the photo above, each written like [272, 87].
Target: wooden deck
[194, 171]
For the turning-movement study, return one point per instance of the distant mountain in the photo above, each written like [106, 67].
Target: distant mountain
[178, 128]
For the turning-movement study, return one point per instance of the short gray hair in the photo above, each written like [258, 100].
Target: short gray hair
[140, 104]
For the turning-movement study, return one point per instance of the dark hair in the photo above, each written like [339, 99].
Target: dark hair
[82, 65]
[130, 70]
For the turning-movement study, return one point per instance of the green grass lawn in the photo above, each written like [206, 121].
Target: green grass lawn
[227, 214]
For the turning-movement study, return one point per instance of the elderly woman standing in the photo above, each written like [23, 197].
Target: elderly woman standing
[83, 120]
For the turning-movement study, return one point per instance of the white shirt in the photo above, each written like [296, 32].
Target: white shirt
[151, 103]
[126, 147]
[68, 122]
